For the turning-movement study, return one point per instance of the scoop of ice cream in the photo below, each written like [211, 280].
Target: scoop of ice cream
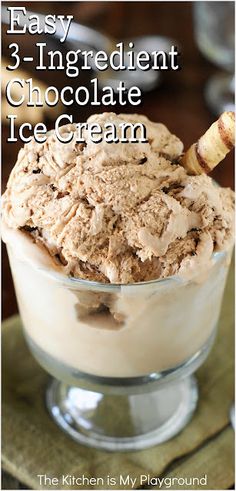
[116, 212]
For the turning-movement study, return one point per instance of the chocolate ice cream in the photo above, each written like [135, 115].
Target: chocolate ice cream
[119, 213]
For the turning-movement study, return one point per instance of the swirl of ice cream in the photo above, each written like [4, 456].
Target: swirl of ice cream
[118, 213]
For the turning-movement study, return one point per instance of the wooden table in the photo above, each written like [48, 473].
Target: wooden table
[178, 102]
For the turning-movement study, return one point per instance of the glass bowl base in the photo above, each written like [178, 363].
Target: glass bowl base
[125, 422]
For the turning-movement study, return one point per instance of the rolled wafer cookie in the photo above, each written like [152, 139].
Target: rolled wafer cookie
[212, 147]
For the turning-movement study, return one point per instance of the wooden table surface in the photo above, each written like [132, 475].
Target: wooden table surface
[178, 102]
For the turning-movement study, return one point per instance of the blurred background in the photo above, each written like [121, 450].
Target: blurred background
[187, 101]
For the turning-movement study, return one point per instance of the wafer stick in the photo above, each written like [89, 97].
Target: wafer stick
[212, 147]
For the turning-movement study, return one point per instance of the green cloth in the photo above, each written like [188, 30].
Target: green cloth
[32, 444]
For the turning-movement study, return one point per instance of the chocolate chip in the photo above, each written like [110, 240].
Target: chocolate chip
[29, 229]
[36, 171]
[165, 190]
[53, 188]
[61, 194]
[81, 146]
[142, 161]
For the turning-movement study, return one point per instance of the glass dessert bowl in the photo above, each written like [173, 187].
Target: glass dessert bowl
[119, 256]
[122, 356]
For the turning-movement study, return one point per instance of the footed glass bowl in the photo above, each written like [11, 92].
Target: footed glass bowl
[121, 356]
